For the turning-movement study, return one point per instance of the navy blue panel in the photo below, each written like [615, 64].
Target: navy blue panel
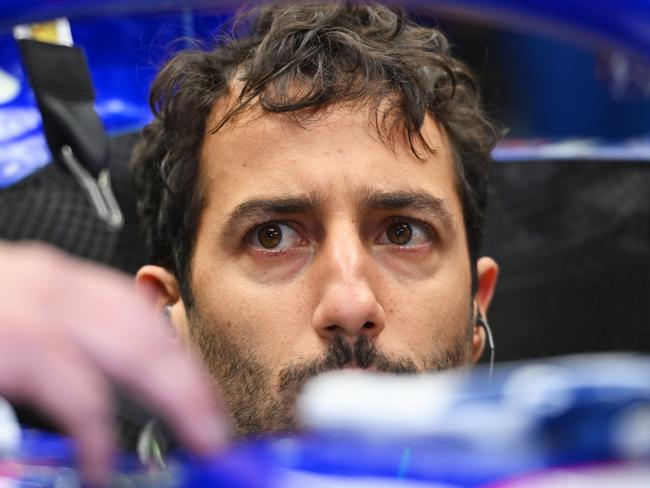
[624, 22]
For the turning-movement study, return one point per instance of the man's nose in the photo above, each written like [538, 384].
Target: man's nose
[347, 304]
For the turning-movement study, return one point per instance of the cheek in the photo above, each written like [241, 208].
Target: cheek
[267, 321]
[427, 316]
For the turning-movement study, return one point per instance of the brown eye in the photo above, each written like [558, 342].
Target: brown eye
[269, 236]
[399, 233]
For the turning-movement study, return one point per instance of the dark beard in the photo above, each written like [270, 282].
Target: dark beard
[257, 407]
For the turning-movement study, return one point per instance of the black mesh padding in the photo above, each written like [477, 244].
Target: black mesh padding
[50, 206]
[573, 242]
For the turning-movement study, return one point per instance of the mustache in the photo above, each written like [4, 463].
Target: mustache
[340, 353]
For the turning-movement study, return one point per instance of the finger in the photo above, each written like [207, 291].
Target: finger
[197, 418]
[132, 344]
[63, 385]
[170, 382]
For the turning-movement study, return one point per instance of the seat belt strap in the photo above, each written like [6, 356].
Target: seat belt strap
[61, 81]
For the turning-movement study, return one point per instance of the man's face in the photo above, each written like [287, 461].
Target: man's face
[320, 247]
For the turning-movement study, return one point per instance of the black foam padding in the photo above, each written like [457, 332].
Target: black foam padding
[573, 242]
[50, 206]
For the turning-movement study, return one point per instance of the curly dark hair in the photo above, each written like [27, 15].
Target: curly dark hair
[336, 52]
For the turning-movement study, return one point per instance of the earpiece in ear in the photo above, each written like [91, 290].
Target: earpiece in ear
[167, 313]
[480, 320]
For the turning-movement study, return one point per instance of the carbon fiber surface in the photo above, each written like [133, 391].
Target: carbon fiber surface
[573, 242]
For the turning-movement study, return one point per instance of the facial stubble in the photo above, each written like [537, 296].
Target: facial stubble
[262, 402]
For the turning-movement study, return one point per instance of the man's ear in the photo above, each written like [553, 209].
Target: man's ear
[162, 288]
[158, 284]
[488, 273]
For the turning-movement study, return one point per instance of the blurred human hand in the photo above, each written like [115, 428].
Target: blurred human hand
[69, 329]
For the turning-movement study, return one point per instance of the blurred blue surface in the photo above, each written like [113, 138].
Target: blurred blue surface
[551, 82]
[462, 430]
[624, 22]
[559, 90]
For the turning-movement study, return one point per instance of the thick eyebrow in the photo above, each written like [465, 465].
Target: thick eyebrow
[262, 208]
[369, 200]
[372, 200]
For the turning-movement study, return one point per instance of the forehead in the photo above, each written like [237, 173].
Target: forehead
[337, 155]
